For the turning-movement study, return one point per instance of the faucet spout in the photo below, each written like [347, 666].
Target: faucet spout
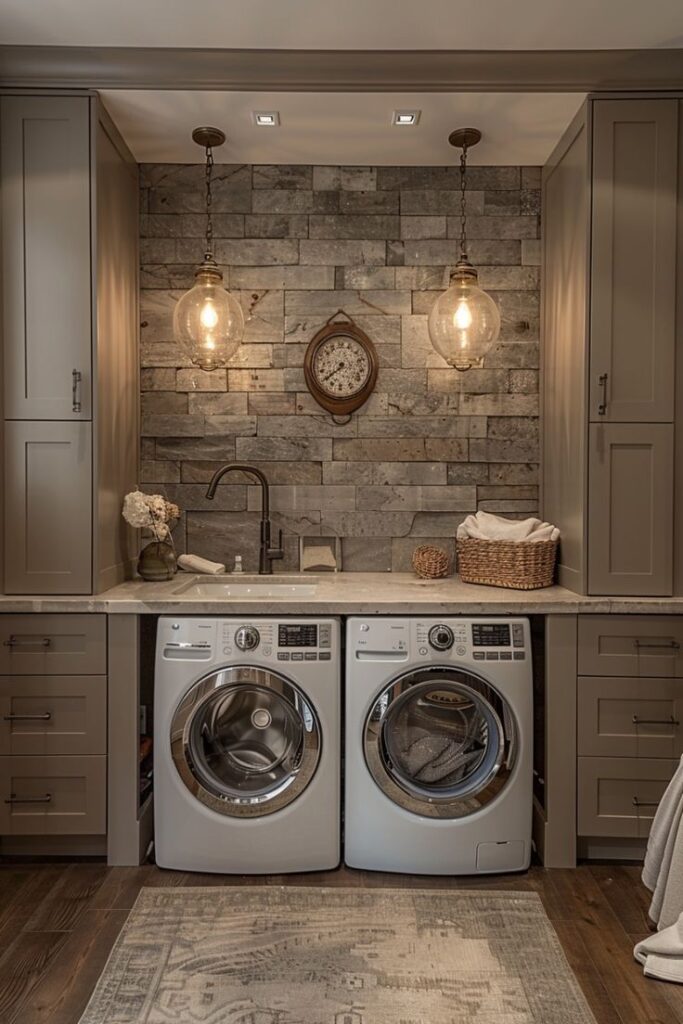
[241, 468]
[267, 552]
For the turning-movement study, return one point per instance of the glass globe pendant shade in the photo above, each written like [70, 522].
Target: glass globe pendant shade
[208, 322]
[464, 322]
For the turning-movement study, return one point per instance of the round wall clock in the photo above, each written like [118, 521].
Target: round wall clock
[340, 366]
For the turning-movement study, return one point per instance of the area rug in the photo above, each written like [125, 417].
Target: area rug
[286, 955]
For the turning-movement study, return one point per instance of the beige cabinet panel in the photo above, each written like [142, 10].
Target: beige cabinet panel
[39, 645]
[48, 508]
[630, 521]
[43, 796]
[618, 796]
[624, 717]
[631, 645]
[53, 715]
[566, 200]
[633, 265]
[46, 274]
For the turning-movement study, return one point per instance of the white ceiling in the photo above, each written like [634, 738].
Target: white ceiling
[346, 24]
[341, 128]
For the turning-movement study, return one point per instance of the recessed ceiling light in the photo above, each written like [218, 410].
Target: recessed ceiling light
[266, 118]
[406, 118]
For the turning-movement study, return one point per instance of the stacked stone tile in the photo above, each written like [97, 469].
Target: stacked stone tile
[296, 244]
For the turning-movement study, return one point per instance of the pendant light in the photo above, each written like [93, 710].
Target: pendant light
[464, 322]
[208, 323]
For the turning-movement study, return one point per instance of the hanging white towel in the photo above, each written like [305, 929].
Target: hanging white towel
[662, 953]
[662, 843]
[486, 526]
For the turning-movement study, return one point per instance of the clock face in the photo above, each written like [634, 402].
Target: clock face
[341, 367]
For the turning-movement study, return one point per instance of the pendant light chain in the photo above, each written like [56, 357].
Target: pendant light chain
[463, 203]
[209, 222]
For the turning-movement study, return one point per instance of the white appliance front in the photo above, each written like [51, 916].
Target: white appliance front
[247, 744]
[439, 727]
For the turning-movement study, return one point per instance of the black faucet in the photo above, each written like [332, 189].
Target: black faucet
[267, 553]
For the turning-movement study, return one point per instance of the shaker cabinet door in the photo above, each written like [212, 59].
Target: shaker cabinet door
[48, 508]
[46, 271]
[630, 521]
[633, 260]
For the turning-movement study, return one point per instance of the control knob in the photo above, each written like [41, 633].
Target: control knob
[247, 638]
[441, 638]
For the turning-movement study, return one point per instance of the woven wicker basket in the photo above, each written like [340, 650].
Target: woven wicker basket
[431, 563]
[519, 565]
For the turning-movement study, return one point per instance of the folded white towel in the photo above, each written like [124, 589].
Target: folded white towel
[661, 954]
[486, 526]
[194, 563]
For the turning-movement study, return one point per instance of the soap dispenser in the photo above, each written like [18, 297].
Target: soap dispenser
[237, 567]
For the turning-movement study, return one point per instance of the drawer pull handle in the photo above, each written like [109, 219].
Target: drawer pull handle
[672, 645]
[29, 718]
[655, 721]
[602, 384]
[15, 641]
[14, 799]
[645, 803]
[76, 378]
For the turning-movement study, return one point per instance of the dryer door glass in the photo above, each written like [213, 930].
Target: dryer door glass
[245, 741]
[440, 742]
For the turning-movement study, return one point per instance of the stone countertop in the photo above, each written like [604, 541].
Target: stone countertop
[347, 594]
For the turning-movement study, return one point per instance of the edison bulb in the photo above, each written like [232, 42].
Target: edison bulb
[463, 318]
[464, 322]
[208, 315]
[208, 322]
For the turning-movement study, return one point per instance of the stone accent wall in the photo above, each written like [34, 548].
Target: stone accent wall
[297, 243]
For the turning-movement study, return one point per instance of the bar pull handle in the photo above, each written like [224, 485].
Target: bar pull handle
[76, 378]
[666, 645]
[602, 384]
[655, 721]
[28, 718]
[644, 803]
[15, 641]
[14, 799]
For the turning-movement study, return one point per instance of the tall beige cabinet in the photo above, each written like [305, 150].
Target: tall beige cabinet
[69, 343]
[612, 253]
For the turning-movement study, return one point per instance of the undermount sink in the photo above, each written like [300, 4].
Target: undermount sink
[245, 586]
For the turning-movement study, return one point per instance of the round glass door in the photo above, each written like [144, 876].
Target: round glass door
[245, 741]
[440, 742]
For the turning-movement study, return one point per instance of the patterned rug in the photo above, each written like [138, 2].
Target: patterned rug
[285, 955]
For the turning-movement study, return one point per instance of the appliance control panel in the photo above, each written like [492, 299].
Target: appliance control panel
[276, 640]
[447, 640]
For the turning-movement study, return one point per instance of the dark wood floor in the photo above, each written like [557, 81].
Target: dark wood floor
[58, 923]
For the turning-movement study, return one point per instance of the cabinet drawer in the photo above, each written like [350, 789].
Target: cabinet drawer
[53, 715]
[47, 796]
[626, 717]
[53, 645]
[631, 645]
[618, 796]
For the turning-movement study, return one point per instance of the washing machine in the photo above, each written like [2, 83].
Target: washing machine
[247, 744]
[439, 727]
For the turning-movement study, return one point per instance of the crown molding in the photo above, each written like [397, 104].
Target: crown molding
[103, 67]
